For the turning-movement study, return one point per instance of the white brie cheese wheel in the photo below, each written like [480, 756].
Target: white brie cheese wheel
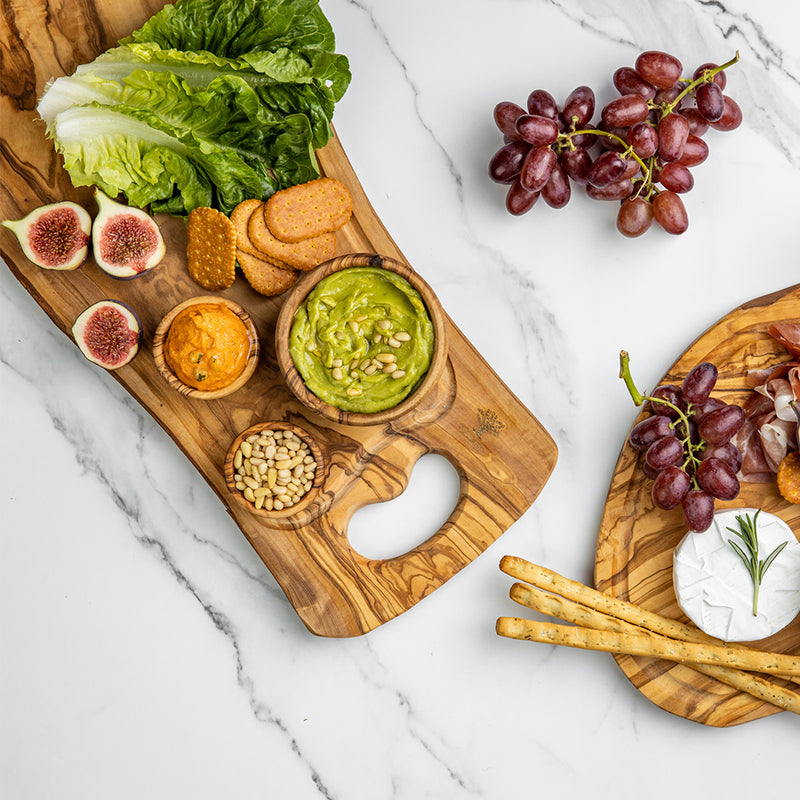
[714, 587]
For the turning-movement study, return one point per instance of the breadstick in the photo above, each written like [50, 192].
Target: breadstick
[649, 646]
[613, 606]
[570, 611]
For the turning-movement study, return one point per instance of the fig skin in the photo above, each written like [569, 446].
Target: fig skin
[122, 335]
[134, 232]
[65, 227]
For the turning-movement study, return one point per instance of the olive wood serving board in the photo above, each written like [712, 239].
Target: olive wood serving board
[501, 452]
[636, 540]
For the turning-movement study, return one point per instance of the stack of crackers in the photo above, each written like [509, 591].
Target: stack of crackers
[272, 241]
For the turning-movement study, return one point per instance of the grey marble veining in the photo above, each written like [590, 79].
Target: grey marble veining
[146, 649]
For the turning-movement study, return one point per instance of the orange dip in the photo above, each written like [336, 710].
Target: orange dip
[207, 346]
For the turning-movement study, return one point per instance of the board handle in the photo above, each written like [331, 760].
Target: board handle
[503, 457]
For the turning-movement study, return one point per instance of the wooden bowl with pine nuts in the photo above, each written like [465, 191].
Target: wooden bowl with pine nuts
[295, 299]
[160, 340]
[274, 468]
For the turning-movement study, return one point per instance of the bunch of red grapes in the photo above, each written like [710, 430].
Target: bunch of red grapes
[687, 446]
[648, 139]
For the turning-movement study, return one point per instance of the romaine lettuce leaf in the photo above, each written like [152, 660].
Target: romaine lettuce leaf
[209, 103]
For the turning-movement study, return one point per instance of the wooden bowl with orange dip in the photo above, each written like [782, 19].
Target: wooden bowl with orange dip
[206, 347]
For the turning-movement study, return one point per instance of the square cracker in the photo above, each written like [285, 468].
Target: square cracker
[303, 255]
[308, 209]
[211, 249]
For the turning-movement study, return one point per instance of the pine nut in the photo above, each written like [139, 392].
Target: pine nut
[353, 391]
[336, 374]
[384, 324]
[397, 374]
[337, 362]
[403, 336]
[392, 342]
[385, 358]
[279, 459]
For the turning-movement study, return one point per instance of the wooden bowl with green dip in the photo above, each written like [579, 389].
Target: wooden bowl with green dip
[361, 339]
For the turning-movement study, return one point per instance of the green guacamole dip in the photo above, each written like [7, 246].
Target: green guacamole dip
[362, 340]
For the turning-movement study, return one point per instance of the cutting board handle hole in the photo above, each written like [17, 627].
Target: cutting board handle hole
[392, 528]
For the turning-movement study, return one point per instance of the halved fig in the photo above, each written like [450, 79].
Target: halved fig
[127, 241]
[55, 236]
[108, 333]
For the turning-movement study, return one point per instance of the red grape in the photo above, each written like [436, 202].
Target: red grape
[519, 199]
[607, 168]
[699, 382]
[537, 168]
[579, 107]
[673, 131]
[576, 164]
[731, 116]
[557, 191]
[643, 139]
[536, 130]
[727, 452]
[625, 111]
[635, 216]
[718, 479]
[505, 117]
[670, 213]
[720, 79]
[698, 124]
[584, 139]
[542, 104]
[664, 452]
[618, 190]
[628, 81]
[670, 487]
[507, 162]
[711, 404]
[695, 152]
[710, 101]
[698, 510]
[676, 177]
[670, 96]
[721, 425]
[672, 394]
[662, 70]
[644, 433]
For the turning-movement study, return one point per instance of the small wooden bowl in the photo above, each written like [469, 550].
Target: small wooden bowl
[174, 381]
[297, 294]
[229, 470]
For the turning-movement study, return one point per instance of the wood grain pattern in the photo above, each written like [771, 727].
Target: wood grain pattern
[501, 452]
[636, 540]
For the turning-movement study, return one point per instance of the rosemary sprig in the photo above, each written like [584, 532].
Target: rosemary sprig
[755, 566]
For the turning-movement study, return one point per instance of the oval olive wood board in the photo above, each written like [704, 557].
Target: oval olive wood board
[501, 452]
[636, 540]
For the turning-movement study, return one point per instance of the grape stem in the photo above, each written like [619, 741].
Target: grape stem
[706, 77]
[627, 153]
[639, 399]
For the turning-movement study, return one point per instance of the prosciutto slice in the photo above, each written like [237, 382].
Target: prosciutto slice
[770, 429]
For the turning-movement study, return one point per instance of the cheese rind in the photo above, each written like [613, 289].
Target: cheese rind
[715, 590]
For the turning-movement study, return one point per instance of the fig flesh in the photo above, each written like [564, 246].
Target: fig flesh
[55, 236]
[127, 241]
[108, 333]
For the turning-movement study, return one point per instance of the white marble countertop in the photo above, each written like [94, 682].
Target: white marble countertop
[145, 651]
